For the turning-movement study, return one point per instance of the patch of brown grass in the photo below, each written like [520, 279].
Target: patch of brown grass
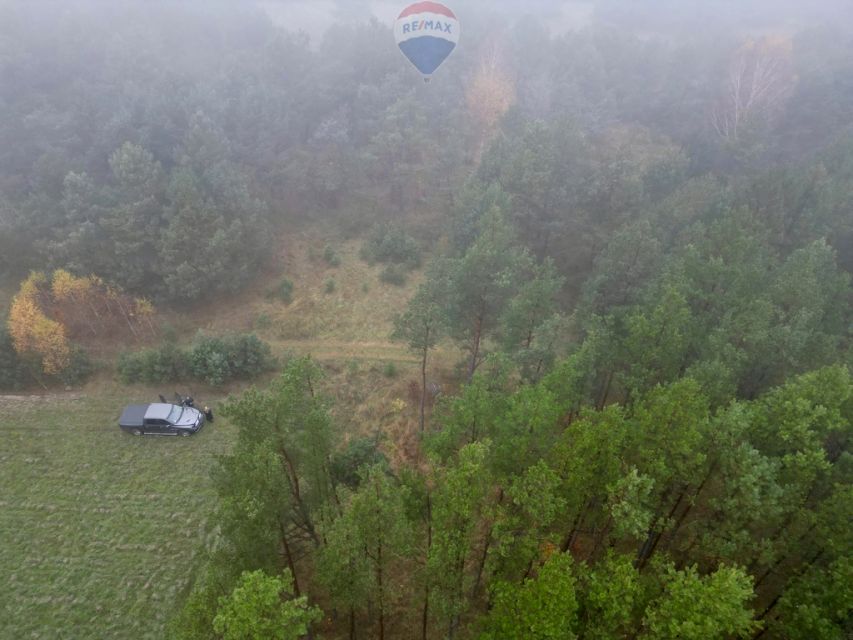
[360, 309]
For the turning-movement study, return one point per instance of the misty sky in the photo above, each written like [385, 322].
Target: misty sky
[644, 16]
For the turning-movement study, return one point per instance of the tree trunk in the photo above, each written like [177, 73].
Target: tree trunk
[351, 623]
[475, 347]
[690, 505]
[570, 539]
[605, 392]
[783, 558]
[425, 613]
[381, 593]
[647, 548]
[599, 539]
[772, 605]
[297, 496]
[289, 556]
[423, 389]
[482, 563]
[126, 317]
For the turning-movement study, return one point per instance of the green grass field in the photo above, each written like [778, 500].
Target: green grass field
[98, 529]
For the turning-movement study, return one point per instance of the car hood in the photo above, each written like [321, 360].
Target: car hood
[189, 418]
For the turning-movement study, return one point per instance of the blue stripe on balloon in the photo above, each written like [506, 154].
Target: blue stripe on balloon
[427, 52]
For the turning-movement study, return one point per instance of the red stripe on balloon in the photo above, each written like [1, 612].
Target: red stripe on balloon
[427, 7]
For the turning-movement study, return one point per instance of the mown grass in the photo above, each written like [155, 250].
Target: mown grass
[98, 530]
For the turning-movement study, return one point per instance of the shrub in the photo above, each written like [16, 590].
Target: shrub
[262, 322]
[329, 286]
[284, 291]
[359, 452]
[12, 370]
[331, 257]
[249, 356]
[393, 274]
[15, 374]
[217, 360]
[166, 363]
[391, 245]
[214, 360]
[389, 370]
[208, 360]
[78, 369]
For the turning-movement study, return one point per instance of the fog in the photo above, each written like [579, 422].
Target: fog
[661, 17]
[315, 17]
[521, 319]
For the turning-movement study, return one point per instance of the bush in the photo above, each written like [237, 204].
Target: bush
[262, 322]
[217, 360]
[214, 360]
[329, 286]
[331, 257]
[389, 370]
[284, 291]
[393, 274]
[391, 245]
[166, 363]
[359, 452]
[79, 368]
[208, 360]
[12, 370]
[249, 356]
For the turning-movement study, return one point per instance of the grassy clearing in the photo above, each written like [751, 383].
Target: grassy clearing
[98, 529]
[359, 310]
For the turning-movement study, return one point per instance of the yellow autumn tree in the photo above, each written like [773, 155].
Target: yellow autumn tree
[33, 333]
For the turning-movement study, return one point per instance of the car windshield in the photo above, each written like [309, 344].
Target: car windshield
[175, 414]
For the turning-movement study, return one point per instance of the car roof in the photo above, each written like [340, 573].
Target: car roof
[158, 411]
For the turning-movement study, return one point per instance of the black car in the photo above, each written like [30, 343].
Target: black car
[161, 419]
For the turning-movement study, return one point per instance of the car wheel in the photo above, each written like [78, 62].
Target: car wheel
[185, 434]
[137, 432]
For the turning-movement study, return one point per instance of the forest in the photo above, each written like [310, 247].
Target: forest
[613, 257]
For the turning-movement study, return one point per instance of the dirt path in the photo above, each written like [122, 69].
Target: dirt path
[16, 405]
[6, 400]
[344, 350]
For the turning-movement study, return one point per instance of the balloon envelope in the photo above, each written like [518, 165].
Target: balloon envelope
[426, 32]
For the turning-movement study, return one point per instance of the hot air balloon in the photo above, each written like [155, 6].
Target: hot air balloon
[427, 33]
